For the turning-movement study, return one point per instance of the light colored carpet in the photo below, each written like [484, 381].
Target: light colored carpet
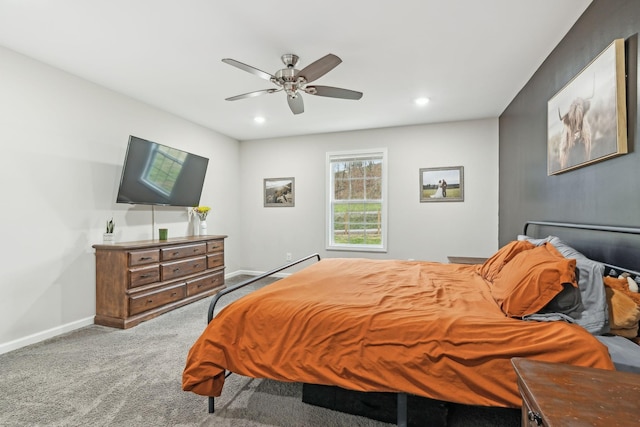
[99, 376]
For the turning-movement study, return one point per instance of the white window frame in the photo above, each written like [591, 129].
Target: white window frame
[354, 154]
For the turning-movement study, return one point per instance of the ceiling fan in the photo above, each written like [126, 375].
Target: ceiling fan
[294, 81]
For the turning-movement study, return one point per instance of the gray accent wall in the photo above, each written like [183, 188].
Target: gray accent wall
[607, 192]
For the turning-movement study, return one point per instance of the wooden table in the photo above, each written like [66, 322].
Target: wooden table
[555, 394]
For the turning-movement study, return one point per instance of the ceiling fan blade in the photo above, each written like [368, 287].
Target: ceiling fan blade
[296, 104]
[333, 92]
[248, 69]
[252, 94]
[319, 68]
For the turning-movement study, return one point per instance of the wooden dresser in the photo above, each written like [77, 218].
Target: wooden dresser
[555, 394]
[136, 281]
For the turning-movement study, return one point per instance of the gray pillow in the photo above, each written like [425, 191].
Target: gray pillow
[568, 301]
[594, 316]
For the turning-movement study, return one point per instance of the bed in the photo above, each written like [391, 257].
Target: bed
[440, 331]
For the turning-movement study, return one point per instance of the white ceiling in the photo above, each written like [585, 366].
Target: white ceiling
[470, 57]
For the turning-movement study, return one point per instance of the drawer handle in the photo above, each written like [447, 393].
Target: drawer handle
[144, 258]
[176, 253]
[173, 294]
[534, 417]
[196, 265]
[176, 269]
[149, 301]
[144, 276]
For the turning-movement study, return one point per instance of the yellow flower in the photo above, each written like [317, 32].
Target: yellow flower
[202, 212]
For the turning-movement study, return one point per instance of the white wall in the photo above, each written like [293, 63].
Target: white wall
[64, 140]
[428, 231]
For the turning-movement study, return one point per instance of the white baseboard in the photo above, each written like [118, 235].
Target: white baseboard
[44, 335]
[63, 329]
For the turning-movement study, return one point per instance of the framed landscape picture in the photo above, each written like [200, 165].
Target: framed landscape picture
[279, 192]
[587, 119]
[444, 184]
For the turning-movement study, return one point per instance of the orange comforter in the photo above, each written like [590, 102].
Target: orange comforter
[424, 328]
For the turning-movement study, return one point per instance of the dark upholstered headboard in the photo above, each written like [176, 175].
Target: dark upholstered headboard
[616, 247]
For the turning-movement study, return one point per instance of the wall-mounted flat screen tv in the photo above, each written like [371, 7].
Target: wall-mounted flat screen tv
[155, 174]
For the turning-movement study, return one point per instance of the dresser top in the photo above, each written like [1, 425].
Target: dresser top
[141, 244]
[567, 395]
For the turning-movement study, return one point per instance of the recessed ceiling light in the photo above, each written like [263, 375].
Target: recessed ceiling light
[259, 119]
[422, 101]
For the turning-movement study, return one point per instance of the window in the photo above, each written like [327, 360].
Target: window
[163, 169]
[357, 200]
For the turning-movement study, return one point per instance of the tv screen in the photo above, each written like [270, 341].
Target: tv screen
[154, 174]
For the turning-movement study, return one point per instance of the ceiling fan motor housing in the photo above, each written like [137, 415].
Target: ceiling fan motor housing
[287, 78]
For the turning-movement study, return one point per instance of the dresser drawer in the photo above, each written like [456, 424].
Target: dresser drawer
[150, 300]
[175, 269]
[148, 256]
[177, 252]
[216, 260]
[205, 283]
[144, 275]
[215, 246]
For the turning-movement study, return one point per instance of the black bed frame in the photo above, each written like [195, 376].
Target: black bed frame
[613, 252]
[613, 246]
[241, 285]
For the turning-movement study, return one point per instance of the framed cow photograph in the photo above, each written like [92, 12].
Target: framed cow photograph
[587, 119]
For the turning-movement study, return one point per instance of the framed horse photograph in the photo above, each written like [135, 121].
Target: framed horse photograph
[279, 192]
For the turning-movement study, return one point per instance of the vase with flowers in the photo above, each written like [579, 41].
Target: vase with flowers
[202, 212]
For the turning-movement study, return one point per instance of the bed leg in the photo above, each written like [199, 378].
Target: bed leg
[212, 405]
[402, 410]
